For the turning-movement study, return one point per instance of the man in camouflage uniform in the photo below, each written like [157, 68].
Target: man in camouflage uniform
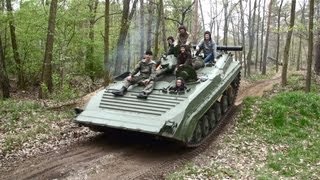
[183, 36]
[146, 67]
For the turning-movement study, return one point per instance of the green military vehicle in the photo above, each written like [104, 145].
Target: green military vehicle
[187, 116]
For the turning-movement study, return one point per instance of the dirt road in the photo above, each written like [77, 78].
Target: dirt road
[117, 155]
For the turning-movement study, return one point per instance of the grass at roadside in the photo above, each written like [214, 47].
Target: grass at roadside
[23, 121]
[275, 137]
[289, 124]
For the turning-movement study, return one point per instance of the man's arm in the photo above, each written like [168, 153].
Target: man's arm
[199, 46]
[214, 49]
[153, 72]
[136, 69]
[188, 39]
[188, 60]
[176, 42]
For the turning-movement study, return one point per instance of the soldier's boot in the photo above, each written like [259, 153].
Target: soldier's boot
[142, 95]
[210, 63]
[120, 92]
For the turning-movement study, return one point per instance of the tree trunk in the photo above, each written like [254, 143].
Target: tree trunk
[217, 23]
[163, 24]
[262, 34]
[157, 35]
[249, 41]
[4, 80]
[287, 46]
[292, 56]
[202, 17]
[251, 36]
[278, 36]
[211, 23]
[317, 55]
[257, 42]
[14, 44]
[242, 59]
[299, 53]
[129, 52]
[106, 42]
[310, 46]
[89, 65]
[266, 45]
[149, 24]
[195, 26]
[142, 32]
[125, 24]
[46, 78]
[5, 86]
[184, 13]
[239, 40]
[234, 37]
[225, 27]
[300, 36]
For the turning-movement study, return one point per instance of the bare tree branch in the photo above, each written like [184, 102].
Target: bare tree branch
[177, 21]
[102, 16]
[183, 12]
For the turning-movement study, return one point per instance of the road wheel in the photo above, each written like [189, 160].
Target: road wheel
[197, 134]
[212, 117]
[205, 126]
[217, 110]
[224, 104]
[231, 96]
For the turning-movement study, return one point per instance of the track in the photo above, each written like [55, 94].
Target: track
[119, 155]
[128, 156]
[168, 166]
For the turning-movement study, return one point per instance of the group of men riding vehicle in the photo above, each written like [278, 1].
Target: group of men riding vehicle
[146, 71]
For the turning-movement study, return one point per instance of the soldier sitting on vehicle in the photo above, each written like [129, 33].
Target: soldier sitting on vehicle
[179, 86]
[166, 59]
[166, 64]
[183, 36]
[184, 57]
[146, 67]
[183, 39]
[208, 46]
[171, 49]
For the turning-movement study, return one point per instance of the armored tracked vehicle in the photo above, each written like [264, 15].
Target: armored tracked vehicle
[188, 116]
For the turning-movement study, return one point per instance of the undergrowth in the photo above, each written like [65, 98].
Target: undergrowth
[22, 121]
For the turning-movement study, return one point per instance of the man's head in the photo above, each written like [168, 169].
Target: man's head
[179, 82]
[207, 35]
[170, 39]
[182, 49]
[148, 55]
[182, 29]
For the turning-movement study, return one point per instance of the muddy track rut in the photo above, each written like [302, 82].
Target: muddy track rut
[121, 155]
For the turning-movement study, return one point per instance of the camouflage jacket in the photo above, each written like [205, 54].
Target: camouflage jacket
[185, 59]
[183, 39]
[146, 69]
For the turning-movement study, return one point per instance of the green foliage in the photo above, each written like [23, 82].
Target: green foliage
[65, 92]
[291, 120]
[291, 109]
[247, 111]
[71, 39]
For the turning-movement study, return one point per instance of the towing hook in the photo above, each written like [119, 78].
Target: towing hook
[78, 111]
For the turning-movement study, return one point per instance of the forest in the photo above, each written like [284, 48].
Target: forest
[56, 54]
[47, 47]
